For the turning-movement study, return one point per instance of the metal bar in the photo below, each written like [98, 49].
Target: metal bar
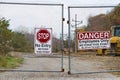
[69, 59]
[14, 3]
[62, 38]
[44, 57]
[91, 6]
[107, 71]
[75, 33]
[10, 70]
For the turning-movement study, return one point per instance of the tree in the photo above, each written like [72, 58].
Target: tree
[104, 21]
[97, 23]
[16, 41]
[21, 43]
[23, 40]
[114, 16]
[5, 36]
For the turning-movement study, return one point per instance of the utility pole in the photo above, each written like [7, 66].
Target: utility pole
[75, 26]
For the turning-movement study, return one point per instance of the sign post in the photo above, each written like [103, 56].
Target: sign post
[93, 40]
[43, 41]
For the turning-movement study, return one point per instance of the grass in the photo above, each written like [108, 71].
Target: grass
[10, 62]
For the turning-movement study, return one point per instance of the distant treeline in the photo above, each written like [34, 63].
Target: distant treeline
[104, 21]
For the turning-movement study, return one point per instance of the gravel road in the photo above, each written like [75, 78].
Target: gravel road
[53, 63]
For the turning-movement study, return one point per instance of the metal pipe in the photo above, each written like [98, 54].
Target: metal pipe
[91, 6]
[69, 59]
[13, 70]
[75, 33]
[107, 71]
[62, 38]
[14, 3]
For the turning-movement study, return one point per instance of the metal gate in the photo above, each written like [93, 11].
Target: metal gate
[54, 56]
[73, 16]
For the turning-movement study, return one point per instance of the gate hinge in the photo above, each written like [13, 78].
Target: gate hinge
[68, 22]
[63, 19]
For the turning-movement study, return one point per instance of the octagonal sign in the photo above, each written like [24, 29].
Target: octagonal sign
[43, 35]
[43, 40]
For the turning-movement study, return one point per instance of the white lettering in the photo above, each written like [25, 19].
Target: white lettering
[93, 35]
[107, 35]
[43, 35]
[96, 35]
[81, 36]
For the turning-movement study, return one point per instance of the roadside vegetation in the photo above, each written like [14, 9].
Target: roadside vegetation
[12, 41]
[10, 62]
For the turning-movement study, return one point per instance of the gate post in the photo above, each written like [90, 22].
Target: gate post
[69, 60]
[62, 69]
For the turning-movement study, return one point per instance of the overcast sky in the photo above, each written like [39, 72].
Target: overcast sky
[50, 16]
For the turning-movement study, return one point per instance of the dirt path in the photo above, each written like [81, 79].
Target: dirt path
[54, 64]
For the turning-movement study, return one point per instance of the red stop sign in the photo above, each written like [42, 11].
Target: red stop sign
[43, 35]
